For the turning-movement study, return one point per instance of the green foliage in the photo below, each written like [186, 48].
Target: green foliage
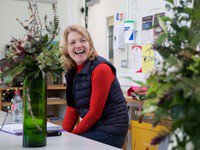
[174, 91]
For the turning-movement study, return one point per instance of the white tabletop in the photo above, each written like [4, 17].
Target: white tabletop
[66, 141]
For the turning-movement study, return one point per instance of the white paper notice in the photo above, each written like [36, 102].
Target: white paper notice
[137, 59]
[119, 36]
[18, 128]
[147, 36]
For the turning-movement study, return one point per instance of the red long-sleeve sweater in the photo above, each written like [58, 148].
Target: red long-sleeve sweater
[102, 77]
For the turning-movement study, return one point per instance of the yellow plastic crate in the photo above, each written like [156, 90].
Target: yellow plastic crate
[142, 134]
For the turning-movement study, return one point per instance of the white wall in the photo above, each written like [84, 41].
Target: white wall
[97, 22]
[69, 13]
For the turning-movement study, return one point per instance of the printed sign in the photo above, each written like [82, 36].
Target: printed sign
[129, 34]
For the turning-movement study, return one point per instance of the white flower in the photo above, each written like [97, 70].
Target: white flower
[190, 146]
[171, 70]
[152, 108]
[181, 135]
[26, 45]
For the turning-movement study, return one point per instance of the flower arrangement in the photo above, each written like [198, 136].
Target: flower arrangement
[30, 59]
[174, 91]
[34, 53]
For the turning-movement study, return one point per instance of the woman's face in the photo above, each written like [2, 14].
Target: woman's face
[78, 47]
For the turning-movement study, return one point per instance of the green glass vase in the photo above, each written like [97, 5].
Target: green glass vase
[35, 113]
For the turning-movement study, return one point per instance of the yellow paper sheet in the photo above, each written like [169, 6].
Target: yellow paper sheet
[147, 58]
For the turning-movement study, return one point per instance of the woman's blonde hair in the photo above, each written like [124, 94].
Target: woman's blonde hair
[66, 60]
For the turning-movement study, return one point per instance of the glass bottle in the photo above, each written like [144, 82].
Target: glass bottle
[35, 118]
[17, 107]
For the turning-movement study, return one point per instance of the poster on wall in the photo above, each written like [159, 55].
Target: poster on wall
[148, 58]
[147, 22]
[137, 59]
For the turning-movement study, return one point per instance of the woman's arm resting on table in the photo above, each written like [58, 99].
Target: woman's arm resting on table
[71, 117]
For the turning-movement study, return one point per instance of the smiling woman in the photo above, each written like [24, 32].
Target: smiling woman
[102, 107]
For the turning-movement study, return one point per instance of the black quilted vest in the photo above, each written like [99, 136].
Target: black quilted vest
[114, 118]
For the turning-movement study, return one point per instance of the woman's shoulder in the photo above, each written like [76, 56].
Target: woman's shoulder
[101, 64]
[103, 67]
